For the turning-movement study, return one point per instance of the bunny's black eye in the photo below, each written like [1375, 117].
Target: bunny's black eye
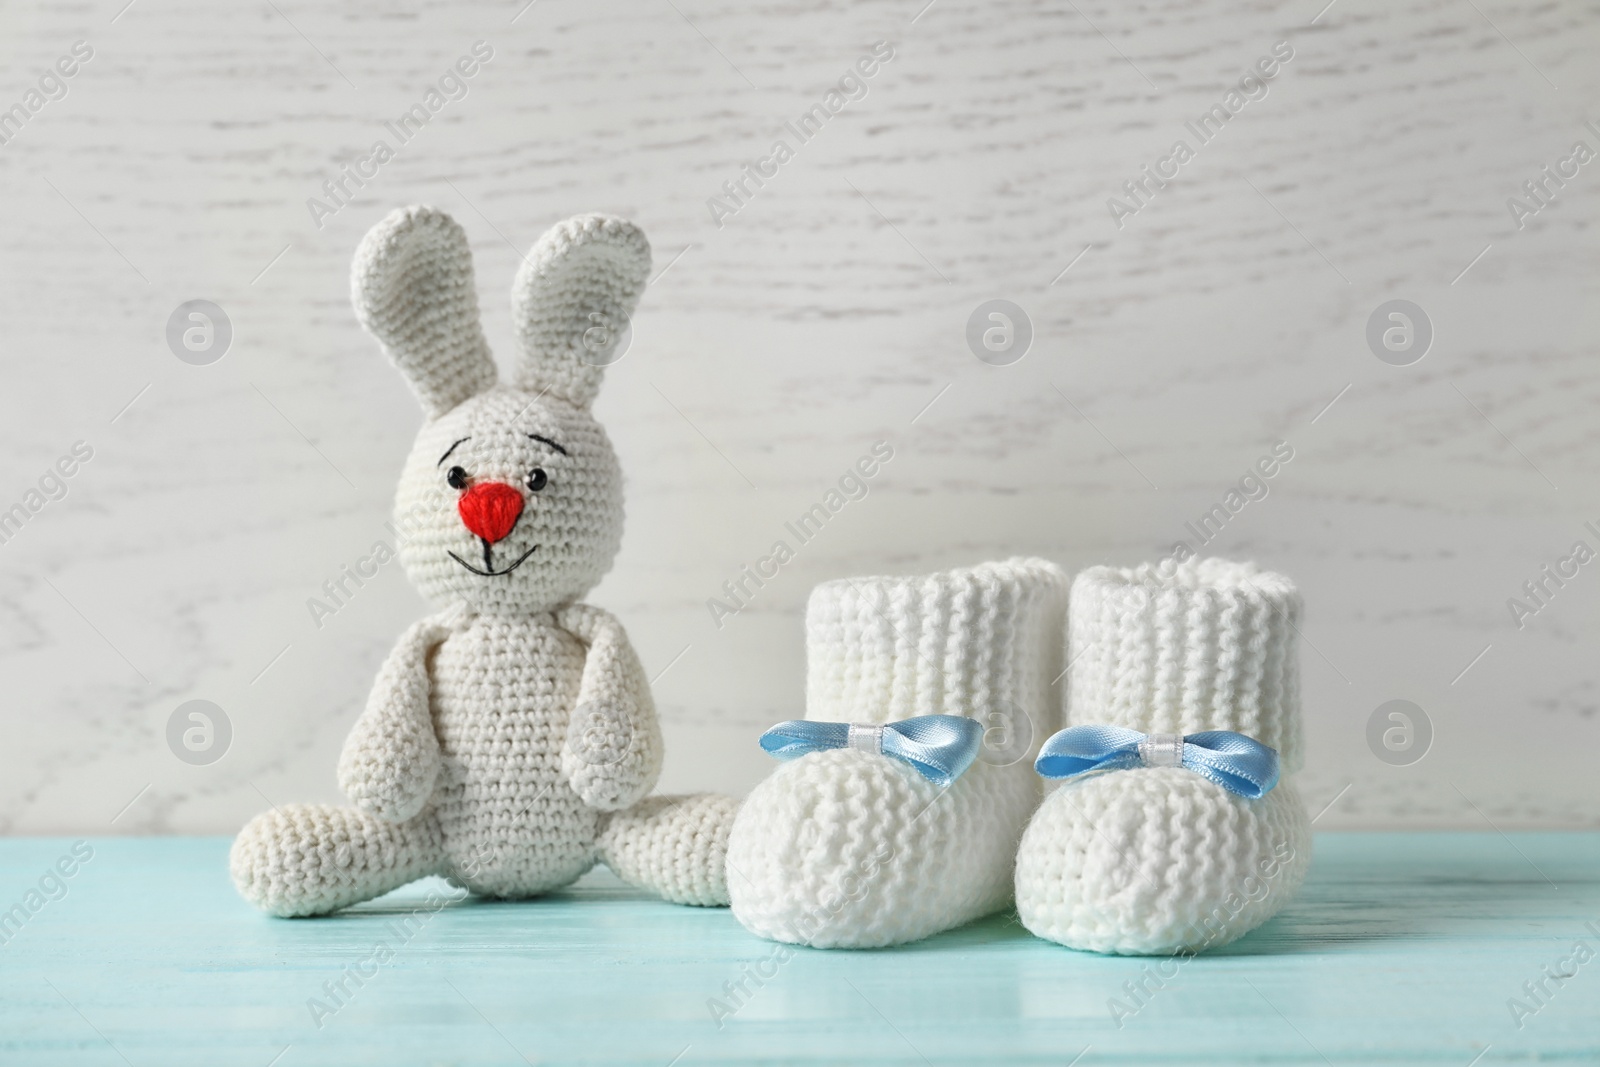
[537, 479]
[456, 477]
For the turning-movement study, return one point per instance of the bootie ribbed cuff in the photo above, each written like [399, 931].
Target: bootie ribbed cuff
[1207, 645]
[980, 641]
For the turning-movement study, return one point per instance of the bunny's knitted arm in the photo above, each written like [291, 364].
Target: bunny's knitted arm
[391, 758]
[612, 754]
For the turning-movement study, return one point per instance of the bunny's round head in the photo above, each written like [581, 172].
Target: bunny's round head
[511, 499]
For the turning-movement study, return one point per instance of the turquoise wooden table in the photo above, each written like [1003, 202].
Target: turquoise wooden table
[1403, 948]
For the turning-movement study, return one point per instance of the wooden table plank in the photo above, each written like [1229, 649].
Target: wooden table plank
[1403, 948]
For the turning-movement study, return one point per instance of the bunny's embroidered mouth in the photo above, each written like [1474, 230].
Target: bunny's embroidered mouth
[488, 571]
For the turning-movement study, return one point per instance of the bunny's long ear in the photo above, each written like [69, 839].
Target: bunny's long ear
[412, 286]
[571, 303]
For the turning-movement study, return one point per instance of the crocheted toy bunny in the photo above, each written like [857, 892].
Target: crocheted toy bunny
[508, 739]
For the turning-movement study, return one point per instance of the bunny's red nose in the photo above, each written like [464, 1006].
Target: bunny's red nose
[490, 509]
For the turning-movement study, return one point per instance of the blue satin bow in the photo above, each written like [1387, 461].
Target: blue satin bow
[940, 747]
[1238, 763]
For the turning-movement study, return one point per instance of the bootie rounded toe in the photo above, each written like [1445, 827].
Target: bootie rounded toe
[847, 849]
[1157, 861]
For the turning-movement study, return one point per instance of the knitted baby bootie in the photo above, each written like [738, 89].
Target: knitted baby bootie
[1163, 845]
[906, 823]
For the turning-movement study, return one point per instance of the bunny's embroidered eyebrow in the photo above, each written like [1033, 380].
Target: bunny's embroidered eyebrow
[449, 450]
[549, 442]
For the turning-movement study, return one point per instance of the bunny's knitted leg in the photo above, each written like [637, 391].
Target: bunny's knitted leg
[850, 848]
[311, 859]
[674, 846]
[1159, 859]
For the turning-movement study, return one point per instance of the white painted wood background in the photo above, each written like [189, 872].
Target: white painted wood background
[827, 314]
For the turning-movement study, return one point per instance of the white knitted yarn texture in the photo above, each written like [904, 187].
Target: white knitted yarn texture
[571, 303]
[502, 733]
[1161, 860]
[848, 848]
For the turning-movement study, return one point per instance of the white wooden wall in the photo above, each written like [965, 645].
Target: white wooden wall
[828, 313]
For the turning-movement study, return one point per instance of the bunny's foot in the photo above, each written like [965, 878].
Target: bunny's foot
[674, 846]
[312, 859]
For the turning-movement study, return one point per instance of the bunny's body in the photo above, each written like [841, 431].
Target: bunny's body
[501, 694]
[496, 768]
[508, 740]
